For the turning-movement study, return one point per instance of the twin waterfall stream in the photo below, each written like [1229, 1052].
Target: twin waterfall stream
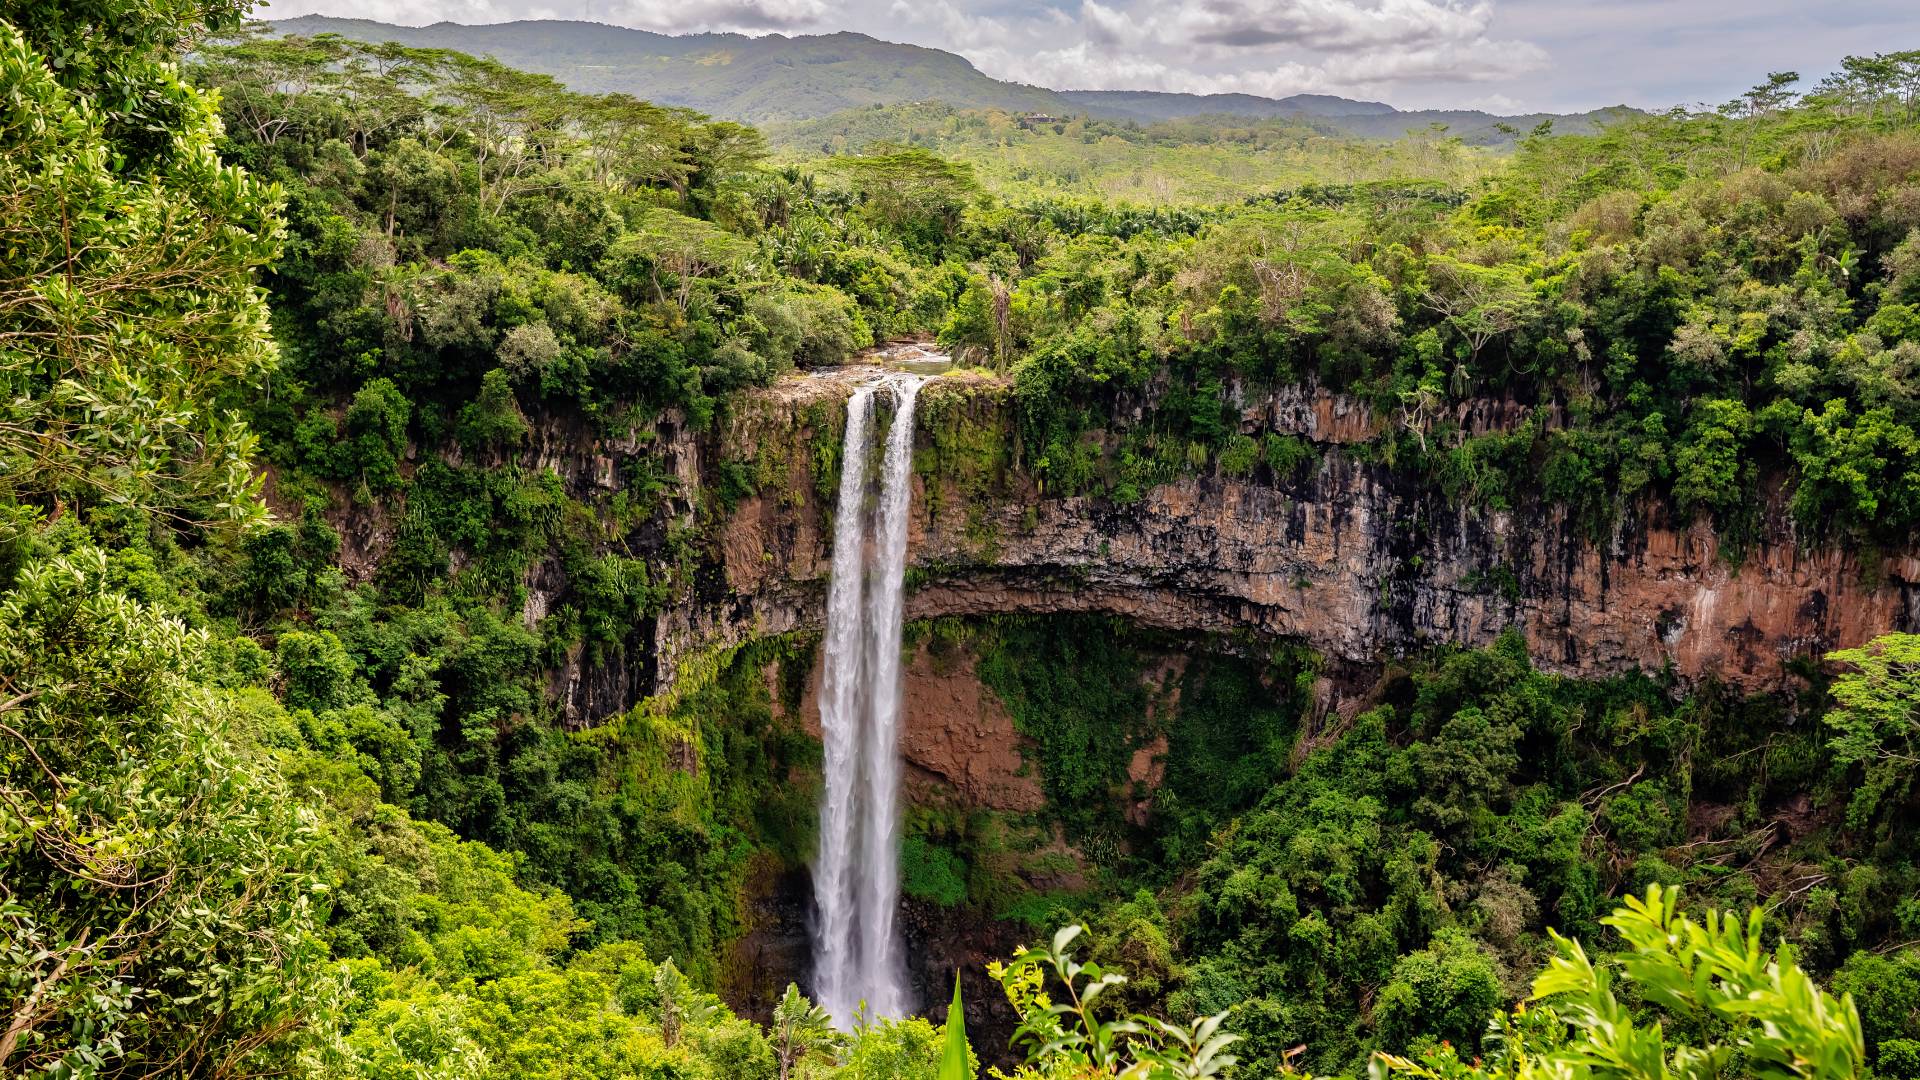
[856, 875]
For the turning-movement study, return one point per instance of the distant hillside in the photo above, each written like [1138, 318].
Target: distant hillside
[1364, 119]
[1150, 105]
[756, 79]
[775, 78]
[1188, 161]
[1475, 127]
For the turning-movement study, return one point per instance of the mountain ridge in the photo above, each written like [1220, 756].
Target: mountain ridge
[1176, 105]
[779, 78]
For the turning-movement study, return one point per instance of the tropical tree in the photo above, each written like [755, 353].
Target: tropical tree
[799, 1028]
[682, 1006]
[1481, 303]
[679, 255]
[127, 254]
[917, 194]
[274, 88]
[1876, 719]
[633, 143]
[160, 890]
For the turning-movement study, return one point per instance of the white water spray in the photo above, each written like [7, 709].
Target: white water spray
[856, 878]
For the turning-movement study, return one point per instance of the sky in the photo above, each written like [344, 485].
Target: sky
[1501, 55]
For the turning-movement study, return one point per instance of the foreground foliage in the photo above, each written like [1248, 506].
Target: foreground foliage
[1731, 1006]
[128, 251]
[1074, 1037]
[161, 893]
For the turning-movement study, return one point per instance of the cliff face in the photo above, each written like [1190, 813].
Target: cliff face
[1356, 561]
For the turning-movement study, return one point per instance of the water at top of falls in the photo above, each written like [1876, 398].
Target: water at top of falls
[856, 875]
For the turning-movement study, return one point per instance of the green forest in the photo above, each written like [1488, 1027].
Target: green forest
[297, 333]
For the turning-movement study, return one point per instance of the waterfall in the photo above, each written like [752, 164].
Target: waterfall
[856, 876]
[834, 950]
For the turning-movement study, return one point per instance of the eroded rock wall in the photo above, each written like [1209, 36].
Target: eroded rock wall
[1357, 561]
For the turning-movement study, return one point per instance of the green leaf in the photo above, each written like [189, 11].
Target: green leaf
[954, 1056]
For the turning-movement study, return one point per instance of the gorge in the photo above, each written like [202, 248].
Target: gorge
[1342, 555]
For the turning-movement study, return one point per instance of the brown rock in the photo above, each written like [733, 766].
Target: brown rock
[1353, 560]
[1363, 568]
[957, 738]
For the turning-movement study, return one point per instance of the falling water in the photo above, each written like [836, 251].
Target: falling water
[836, 960]
[857, 874]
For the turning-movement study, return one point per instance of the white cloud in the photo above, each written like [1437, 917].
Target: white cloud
[1332, 25]
[1085, 66]
[410, 12]
[1216, 46]
[955, 29]
[1110, 26]
[683, 16]
[1411, 52]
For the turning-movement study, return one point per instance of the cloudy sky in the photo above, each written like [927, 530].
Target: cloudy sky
[1502, 55]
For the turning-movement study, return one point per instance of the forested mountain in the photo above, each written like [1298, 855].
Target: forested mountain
[1477, 127]
[1336, 115]
[755, 79]
[776, 78]
[1450, 627]
[1174, 163]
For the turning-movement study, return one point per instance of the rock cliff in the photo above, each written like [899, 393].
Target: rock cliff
[1356, 560]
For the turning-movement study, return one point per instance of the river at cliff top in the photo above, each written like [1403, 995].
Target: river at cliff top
[867, 365]
[919, 357]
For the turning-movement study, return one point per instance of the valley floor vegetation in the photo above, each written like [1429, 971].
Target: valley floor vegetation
[275, 802]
